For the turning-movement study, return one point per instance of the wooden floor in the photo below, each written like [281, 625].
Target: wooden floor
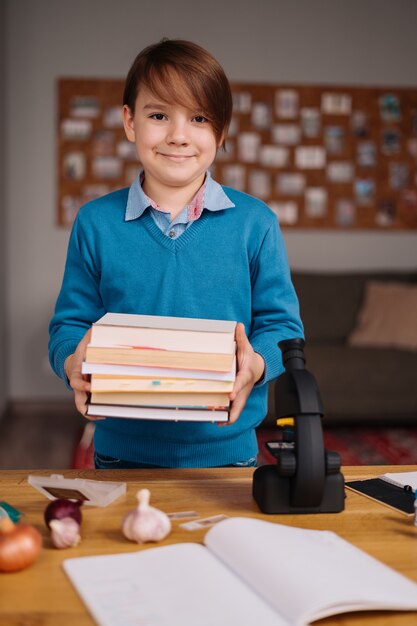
[39, 435]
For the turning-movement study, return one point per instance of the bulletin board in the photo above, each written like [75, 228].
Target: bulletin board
[320, 157]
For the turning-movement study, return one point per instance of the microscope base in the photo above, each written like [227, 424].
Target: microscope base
[272, 493]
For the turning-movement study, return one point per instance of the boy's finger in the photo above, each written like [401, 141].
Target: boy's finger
[236, 410]
[240, 336]
[80, 385]
[238, 405]
[242, 380]
[80, 404]
[80, 400]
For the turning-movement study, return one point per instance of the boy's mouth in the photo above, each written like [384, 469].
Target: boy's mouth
[179, 158]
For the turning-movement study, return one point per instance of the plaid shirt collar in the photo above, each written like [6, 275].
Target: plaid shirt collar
[210, 196]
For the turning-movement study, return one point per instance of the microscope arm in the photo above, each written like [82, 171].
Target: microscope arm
[305, 406]
[308, 482]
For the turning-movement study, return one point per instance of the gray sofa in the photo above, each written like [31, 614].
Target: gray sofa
[358, 385]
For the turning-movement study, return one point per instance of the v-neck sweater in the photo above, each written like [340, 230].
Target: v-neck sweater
[229, 264]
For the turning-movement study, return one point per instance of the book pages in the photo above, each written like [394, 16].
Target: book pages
[279, 562]
[178, 585]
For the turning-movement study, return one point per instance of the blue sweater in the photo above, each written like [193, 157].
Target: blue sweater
[230, 264]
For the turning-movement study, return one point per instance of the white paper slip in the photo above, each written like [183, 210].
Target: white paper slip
[401, 479]
[204, 522]
[182, 514]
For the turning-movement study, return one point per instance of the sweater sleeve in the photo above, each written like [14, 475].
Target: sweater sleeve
[275, 307]
[79, 303]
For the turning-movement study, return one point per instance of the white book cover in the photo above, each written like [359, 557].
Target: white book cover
[166, 322]
[164, 333]
[157, 413]
[250, 572]
[157, 372]
[171, 400]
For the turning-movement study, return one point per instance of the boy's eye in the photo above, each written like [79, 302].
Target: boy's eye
[200, 119]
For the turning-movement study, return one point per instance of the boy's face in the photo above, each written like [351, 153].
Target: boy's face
[175, 145]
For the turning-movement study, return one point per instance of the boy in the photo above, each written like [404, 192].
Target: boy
[177, 243]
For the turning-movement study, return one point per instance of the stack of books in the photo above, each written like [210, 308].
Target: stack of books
[169, 368]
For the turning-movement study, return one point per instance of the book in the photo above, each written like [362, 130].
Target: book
[165, 344]
[105, 383]
[158, 413]
[166, 398]
[168, 333]
[395, 490]
[158, 372]
[249, 572]
[158, 357]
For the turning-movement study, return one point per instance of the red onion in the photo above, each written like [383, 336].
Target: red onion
[57, 509]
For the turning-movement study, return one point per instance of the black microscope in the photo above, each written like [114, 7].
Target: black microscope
[306, 477]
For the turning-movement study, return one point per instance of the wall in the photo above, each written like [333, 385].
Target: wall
[326, 41]
[3, 358]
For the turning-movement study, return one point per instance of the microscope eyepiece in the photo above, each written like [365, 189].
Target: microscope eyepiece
[293, 353]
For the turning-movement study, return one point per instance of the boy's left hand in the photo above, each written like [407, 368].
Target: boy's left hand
[250, 369]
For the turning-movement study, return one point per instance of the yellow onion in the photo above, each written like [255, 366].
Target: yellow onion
[20, 545]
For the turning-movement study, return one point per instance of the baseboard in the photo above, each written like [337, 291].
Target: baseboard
[5, 410]
[44, 405]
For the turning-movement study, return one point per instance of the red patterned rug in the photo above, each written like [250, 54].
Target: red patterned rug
[356, 446]
[360, 446]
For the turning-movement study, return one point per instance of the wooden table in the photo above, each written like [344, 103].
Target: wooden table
[43, 596]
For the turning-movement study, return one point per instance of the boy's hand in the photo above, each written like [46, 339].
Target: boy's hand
[250, 368]
[78, 381]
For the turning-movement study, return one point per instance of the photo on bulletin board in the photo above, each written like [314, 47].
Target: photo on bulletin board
[321, 157]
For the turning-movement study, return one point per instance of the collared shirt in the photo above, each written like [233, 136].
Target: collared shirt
[210, 196]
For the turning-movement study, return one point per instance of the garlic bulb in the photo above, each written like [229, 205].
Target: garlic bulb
[145, 523]
[65, 532]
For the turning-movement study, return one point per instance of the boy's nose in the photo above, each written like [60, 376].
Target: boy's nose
[177, 133]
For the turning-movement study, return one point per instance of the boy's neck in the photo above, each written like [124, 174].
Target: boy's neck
[172, 199]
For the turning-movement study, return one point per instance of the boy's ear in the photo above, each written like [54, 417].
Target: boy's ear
[222, 140]
[128, 123]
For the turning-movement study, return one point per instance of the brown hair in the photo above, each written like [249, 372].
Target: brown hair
[182, 72]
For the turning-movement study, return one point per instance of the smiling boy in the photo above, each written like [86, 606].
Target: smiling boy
[177, 243]
[175, 146]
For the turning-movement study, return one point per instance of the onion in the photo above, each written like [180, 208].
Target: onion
[57, 509]
[20, 545]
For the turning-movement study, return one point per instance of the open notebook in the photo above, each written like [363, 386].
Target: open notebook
[250, 572]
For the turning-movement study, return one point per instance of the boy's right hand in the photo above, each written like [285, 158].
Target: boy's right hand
[78, 381]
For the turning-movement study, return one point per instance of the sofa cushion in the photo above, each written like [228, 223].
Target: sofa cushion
[329, 303]
[388, 317]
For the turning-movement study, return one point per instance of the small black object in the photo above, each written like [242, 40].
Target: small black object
[396, 497]
[306, 478]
